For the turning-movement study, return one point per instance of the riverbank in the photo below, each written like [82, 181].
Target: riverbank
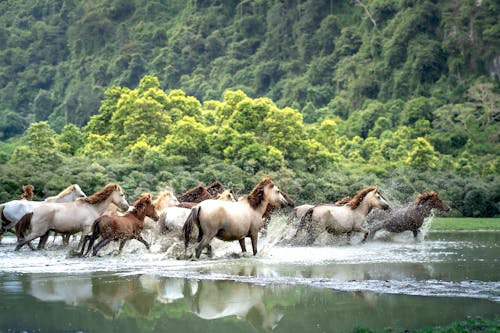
[476, 325]
[464, 223]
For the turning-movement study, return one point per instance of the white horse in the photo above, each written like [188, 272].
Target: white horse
[68, 217]
[12, 211]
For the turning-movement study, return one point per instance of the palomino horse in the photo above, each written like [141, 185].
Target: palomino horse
[341, 219]
[68, 217]
[12, 211]
[231, 221]
[299, 211]
[122, 228]
[172, 218]
[405, 218]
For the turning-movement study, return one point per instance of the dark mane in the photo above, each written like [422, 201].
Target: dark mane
[28, 192]
[256, 197]
[101, 195]
[425, 197]
[360, 196]
[215, 188]
[195, 194]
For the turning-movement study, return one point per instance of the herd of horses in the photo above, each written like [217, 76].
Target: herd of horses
[208, 212]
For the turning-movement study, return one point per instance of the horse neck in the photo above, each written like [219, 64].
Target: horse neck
[102, 206]
[423, 209]
[66, 198]
[364, 208]
[139, 215]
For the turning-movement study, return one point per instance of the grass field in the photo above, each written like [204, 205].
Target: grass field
[465, 223]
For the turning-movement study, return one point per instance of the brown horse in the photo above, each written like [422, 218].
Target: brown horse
[231, 221]
[27, 192]
[199, 193]
[339, 219]
[122, 228]
[406, 218]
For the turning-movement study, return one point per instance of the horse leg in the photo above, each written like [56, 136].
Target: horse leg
[43, 240]
[65, 238]
[242, 245]
[254, 238]
[415, 233]
[86, 238]
[122, 244]
[101, 244]
[205, 242]
[142, 240]
[23, 241]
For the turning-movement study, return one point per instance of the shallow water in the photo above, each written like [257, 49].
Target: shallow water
[393, 281]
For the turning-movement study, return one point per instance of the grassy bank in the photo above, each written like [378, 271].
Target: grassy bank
[472, 325]
[465, 223]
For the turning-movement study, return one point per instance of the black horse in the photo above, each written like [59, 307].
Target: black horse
[405, 218]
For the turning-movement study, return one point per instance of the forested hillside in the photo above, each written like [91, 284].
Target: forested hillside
[325, 96]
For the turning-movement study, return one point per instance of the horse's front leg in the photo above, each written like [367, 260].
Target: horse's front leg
[415, 233]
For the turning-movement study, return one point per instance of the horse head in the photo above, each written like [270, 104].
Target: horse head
[372, 196]
[165, 199]
[266, 191]
[144, 207]
[227, 195]
[113, 192]
[433, 200]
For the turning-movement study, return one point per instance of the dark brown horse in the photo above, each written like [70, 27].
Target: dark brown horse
[199, 193]
[406, 218]
[122, 228]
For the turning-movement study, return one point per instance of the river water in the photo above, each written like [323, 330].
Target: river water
[334, 286]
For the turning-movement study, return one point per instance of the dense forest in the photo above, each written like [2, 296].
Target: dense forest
[326, 97]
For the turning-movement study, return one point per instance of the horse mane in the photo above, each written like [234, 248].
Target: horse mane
[343, 201]
[28, 192]
[64, 193]
[195, 194]
[425, 197]
[256, 197]
[215, 188]
[142, 202]
[360, 196]
[102, 194]
[162, 197]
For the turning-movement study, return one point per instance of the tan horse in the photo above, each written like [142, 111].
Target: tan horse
[68, 217]
[339, 219]
[122, 228]
[172, 218]
[230, 221]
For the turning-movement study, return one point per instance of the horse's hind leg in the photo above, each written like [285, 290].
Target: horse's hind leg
[142, 240]
[43, 240]
[242, 245]
[122, 244]
[100, 245]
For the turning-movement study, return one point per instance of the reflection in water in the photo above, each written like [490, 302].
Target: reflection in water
[447, 277]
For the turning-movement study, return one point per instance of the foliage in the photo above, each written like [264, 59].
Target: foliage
[325, 96]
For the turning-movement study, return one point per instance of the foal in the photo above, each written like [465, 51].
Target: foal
[122, 228]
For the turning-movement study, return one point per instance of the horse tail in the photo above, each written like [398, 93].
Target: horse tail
[193, 218]
[23, 225]
[305, 219]
[2, 218]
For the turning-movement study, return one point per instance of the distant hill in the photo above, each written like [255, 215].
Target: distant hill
[324, 58]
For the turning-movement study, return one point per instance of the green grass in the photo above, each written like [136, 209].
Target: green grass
[469, 325]
[465, 223]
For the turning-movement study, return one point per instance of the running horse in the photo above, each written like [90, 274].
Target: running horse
[121, 228]
[230, 221]
[409, 218]
[339, 219]
[68, 217]
[11, 212]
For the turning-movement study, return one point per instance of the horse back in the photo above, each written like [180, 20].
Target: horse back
[233, 220]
